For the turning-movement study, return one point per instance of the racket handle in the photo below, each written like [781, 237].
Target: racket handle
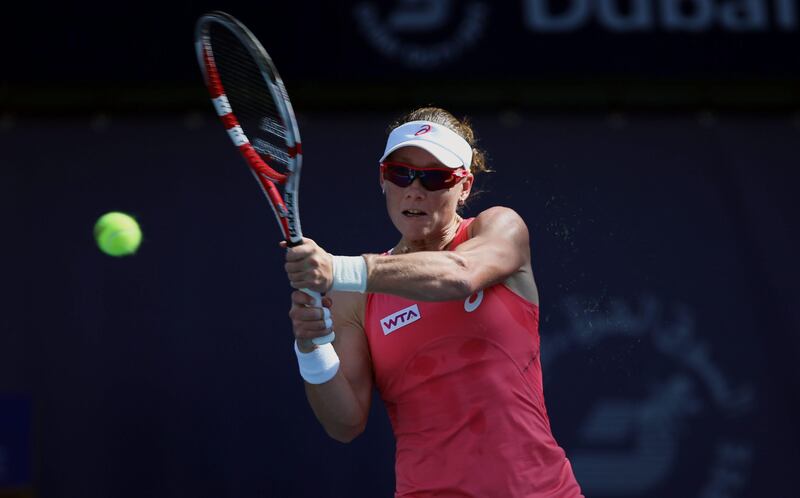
[325, 339]
[319, 341]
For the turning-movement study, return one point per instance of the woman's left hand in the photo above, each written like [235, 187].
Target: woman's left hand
[309, 266]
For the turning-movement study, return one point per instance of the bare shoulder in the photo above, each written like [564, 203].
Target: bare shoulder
[351, 340]
[348, 308]
[505, 228]
[500, 220]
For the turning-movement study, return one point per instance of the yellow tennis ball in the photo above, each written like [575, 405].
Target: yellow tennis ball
[117, 234]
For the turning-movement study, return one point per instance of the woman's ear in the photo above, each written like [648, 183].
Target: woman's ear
[466, 188]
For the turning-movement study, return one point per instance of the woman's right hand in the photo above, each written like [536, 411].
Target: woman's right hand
[309, 321]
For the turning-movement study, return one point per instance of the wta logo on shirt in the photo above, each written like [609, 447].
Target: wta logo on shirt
[400, 319]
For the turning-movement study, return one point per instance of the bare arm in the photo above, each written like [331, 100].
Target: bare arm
[342, 404]
[498, 248]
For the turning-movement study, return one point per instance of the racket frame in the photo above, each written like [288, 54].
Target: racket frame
[287, 207]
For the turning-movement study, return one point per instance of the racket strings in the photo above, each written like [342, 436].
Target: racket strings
[249, 97]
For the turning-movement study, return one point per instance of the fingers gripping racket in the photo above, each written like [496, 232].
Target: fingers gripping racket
[251, 100]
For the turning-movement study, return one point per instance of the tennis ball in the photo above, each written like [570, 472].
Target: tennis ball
[117, 234]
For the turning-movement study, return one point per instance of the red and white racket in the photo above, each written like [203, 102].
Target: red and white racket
[251, 100]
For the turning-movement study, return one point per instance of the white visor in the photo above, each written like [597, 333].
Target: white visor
[446, 145]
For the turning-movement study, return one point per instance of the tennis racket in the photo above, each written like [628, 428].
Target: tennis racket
[252, 102]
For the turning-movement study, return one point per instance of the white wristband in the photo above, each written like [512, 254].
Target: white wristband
[349, 273]
[318, 366]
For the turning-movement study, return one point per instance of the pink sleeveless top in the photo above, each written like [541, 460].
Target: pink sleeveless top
[462, 384]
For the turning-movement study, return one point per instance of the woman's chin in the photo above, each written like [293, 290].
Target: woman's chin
[416, 226]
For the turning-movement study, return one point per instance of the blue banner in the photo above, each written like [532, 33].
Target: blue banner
[15, 441]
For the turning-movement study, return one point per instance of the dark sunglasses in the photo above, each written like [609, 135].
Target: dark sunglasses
[404, 175]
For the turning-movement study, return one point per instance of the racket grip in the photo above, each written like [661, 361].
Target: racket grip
[319, 341]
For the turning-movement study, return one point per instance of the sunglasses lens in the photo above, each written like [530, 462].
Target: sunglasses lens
[436, 179]
[399, 175]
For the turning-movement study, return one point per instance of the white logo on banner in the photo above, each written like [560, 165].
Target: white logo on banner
[396, 35]
[629, 440]
[552, 16]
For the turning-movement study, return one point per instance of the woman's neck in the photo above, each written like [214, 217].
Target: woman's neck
[437, 242]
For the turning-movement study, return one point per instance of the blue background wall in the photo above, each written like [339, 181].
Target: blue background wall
[663, 247]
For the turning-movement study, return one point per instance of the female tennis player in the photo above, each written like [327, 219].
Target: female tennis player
[445, 325]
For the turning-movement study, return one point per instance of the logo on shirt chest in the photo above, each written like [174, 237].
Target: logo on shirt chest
[400, 319]
[472, 302]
